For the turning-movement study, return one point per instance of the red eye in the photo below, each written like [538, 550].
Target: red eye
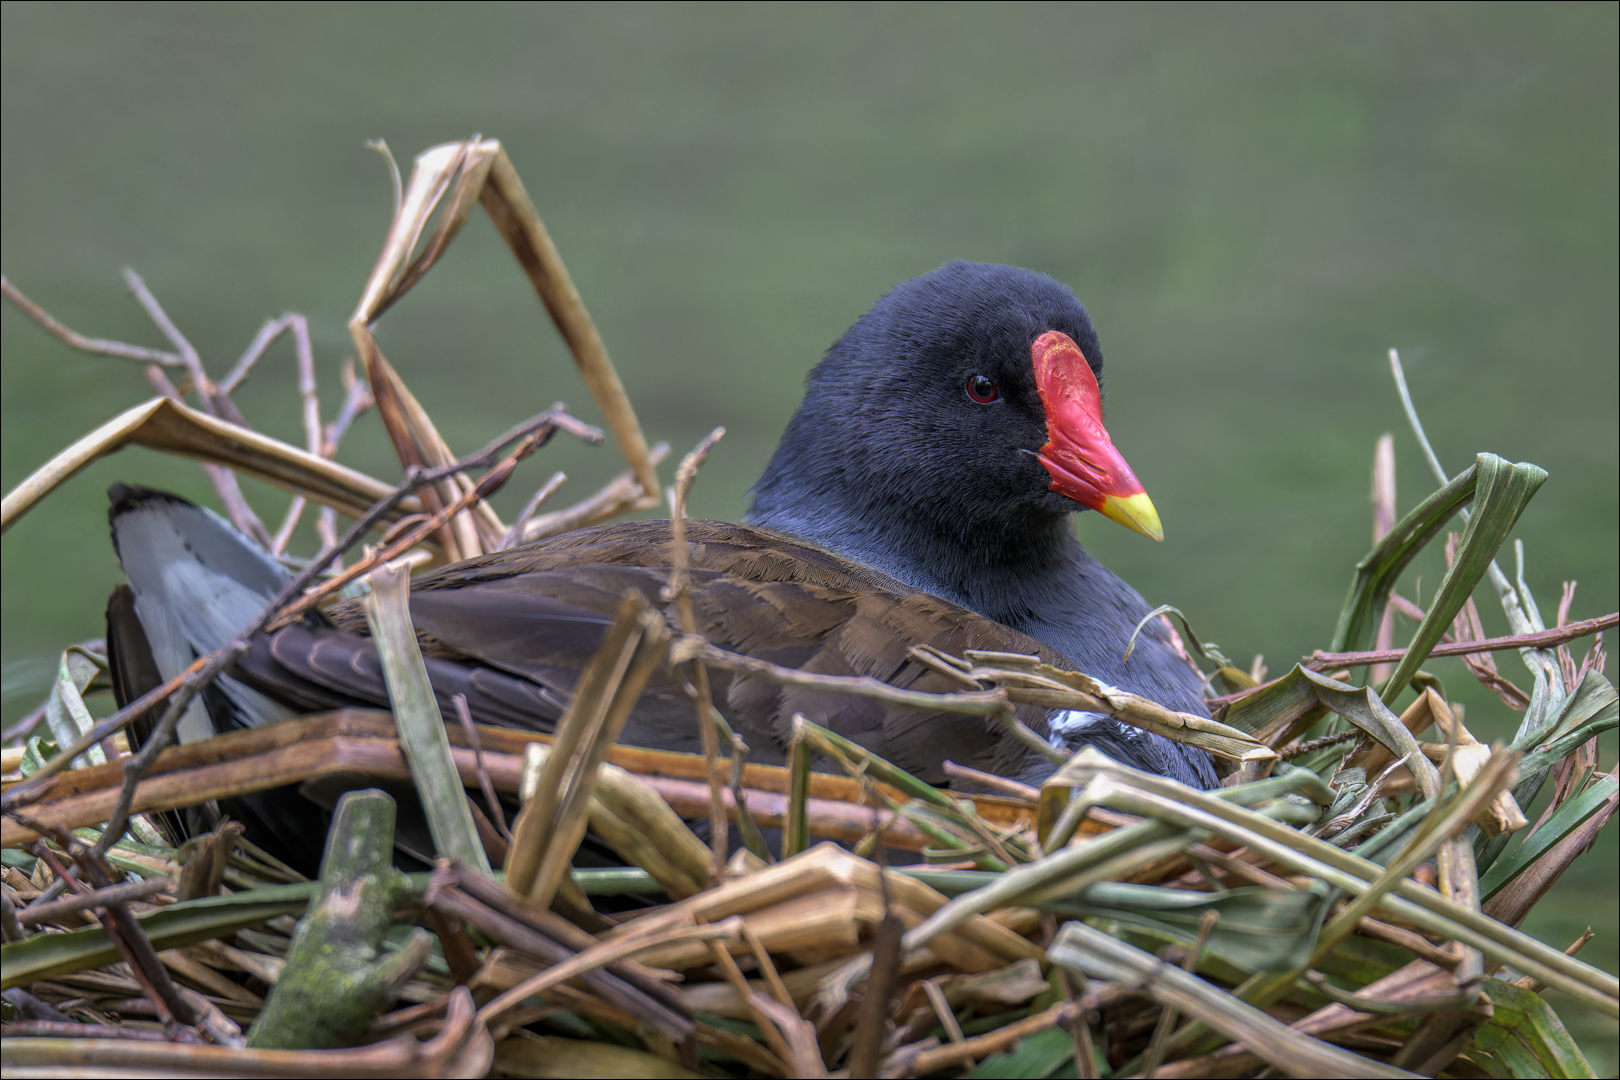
[982, 389]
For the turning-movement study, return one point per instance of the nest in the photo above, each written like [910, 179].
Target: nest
[1344, 905]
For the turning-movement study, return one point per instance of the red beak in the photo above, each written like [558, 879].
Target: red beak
[1079, 454]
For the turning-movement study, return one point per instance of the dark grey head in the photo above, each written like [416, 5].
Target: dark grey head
[925, 423]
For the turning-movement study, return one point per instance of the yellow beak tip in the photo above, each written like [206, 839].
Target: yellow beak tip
[1135, 512]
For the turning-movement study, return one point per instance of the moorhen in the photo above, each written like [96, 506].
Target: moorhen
[923, 493]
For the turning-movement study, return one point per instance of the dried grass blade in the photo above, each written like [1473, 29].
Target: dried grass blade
[552, 823]
[519, 224]
[421, 727]
[167, 425]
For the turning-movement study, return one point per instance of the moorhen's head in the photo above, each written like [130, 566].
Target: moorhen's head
[965, 403]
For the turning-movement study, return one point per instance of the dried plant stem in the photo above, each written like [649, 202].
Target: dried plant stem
[514, 535]
[98, 346]
[417, 479]
[972, 703]
[697, 676]
[728, 932]
[40, 914]
[932, 1061]
[1540, 639]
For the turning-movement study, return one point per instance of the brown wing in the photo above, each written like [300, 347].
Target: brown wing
[531, 617]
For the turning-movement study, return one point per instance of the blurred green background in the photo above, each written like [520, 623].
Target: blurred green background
[1255, 202]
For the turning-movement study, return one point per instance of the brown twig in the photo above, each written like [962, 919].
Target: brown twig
[1005, 785]
[878, 993]
[602, 954]
[1294, 750]
[514, 535]
[697, 676]
[98, 346]
[121, 929]
[972, 703]
[53, 1029]
[39, 914]
[213, 403]
[222, 479]
[1466, 626]
[755, 1003]
[497, 815]
[1543, 639]
[539, 431]
[22, 727]
[932, 1061]
[356, 400]
[622, 493]
[305, 357]
[450, 894]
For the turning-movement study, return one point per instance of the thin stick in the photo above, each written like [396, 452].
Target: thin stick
[267, 335]
[621, 493]
[1539, 639]
[206, 389]
[1004, 785]
[37, 914]
[222, 479]
[1543, 639]
[697, 675]
[213, 403]
[22, 727]
[514, 535]
[973, 703]
[497, 816]
[357, 399]
[727, 931]
[98, 346]
[942, 1009]
[932, 1061]
[491, 481]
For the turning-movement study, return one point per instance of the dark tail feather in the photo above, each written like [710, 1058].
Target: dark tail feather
[193, 582]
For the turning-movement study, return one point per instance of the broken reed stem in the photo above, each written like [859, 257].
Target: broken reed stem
[697, 680]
